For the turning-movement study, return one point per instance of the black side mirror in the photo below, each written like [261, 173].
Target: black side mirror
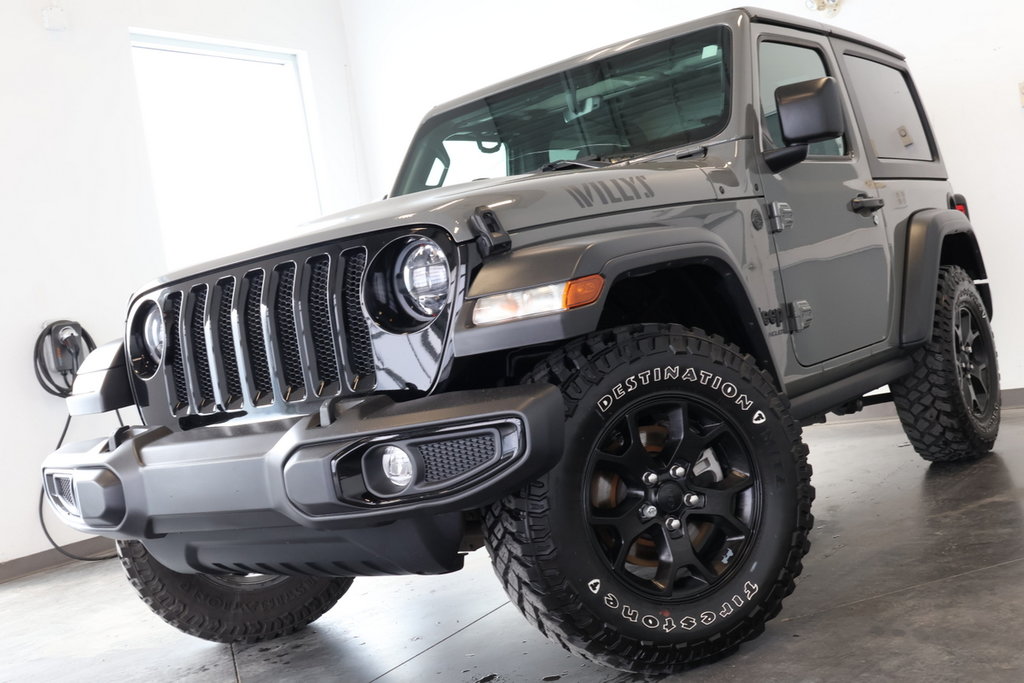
[809, 111]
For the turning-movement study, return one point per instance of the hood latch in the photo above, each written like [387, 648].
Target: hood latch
[491, 238]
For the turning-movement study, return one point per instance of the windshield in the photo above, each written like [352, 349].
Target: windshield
[663, 95]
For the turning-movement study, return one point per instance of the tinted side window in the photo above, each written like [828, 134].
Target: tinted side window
[782, 64]
[894, 127]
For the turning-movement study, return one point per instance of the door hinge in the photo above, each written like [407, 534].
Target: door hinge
[800, 315]
[780, 215]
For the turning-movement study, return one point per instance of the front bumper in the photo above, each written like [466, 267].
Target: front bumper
[304, 494]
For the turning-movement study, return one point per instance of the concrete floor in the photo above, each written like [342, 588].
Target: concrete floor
[916, 573]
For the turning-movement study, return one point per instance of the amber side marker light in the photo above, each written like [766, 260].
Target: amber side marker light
[583, 291]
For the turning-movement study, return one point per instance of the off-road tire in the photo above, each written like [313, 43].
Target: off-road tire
[557, 566]
[938, 403]
[226, 610]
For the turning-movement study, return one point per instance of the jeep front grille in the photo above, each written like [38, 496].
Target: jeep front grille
[269, 335]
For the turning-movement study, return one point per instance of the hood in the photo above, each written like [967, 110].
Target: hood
[524, 201]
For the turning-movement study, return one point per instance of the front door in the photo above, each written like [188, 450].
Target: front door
[834, 261]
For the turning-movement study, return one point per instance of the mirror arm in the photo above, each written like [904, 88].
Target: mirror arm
[779, 160]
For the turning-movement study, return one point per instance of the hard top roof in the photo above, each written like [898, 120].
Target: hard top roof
[730, 17]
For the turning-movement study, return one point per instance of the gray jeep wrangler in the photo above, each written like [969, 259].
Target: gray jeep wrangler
[583, 333]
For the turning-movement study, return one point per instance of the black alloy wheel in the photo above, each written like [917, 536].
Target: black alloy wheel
[672, 497]
[974, 360]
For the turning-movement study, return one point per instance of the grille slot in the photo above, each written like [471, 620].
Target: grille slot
[319, 299]
[360, 349]
[287, 337]
[198, 346]
[448, 459]
[256, 346]
[172, 311]
[226, 340]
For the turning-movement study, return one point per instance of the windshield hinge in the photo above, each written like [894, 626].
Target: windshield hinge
[491, 238]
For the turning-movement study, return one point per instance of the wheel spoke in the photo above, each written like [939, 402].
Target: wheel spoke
[691, 447]
[721, 503]
[980, 373]
[685, 555]
[665, 579]
[973, 332]
[967, 390]
[626, 521]
[963, 329]
[635, 460]
[668, 564]
[631, 465]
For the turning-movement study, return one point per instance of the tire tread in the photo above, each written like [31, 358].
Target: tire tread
[927, 400]
[167, 594]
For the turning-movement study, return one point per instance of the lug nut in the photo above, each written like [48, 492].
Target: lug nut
[691, 500]
[648, 511]
[673, 524]
[677, 471]
[650, 478]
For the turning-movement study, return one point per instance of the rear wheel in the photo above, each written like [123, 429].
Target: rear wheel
[229, 608]
[676, 521]
[950, 404]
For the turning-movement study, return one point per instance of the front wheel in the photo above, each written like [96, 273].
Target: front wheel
[229, 608]
[676, 520]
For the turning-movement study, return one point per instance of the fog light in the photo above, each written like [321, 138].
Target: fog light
[397, 466]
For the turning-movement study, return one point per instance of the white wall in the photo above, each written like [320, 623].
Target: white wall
[77, 214]
[967, 60]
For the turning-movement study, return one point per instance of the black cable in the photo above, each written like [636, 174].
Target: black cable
[63, 433]
[39, 364]
[80, 558]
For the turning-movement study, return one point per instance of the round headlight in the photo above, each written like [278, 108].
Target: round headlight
[423, 278]
[154, 334]
[147, 339]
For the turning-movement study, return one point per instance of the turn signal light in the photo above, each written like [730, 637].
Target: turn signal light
[583, 291]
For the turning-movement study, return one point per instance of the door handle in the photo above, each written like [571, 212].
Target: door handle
[865, 205]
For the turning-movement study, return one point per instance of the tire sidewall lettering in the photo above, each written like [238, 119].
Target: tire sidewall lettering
[668, 622]
[713, 385]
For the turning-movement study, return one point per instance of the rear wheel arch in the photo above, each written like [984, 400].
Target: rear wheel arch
[936, 238]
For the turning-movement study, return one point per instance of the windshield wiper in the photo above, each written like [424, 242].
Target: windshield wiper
[566, 164]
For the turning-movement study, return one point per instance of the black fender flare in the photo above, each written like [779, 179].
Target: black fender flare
[616, 256]
[932, 235]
